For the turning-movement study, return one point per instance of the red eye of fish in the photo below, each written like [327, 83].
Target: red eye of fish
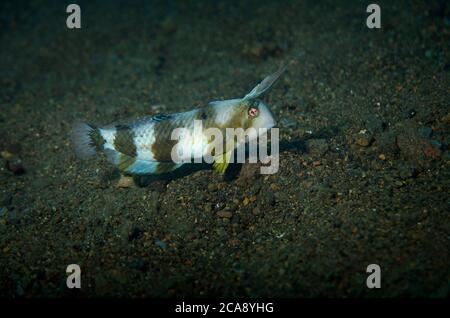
[253, 112]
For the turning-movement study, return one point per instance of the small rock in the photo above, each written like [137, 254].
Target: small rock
[234, 242]
[446, 119]
[135, 234]
[446, 155]
[398, 184]
[262, 50]
[212, 187]
[407, 170]
[14, 164]
[224, 214]
[316, 163]
[281, 196]
[382, 156]
[432, 152]
[274, 186]
[256, 211]
[232, 207]
[12, 217]
[425, 132]
[207, 208]
[248, 175]
[267, 198]
[436, 143]
[125, 182]
[138, 264]
[6, 155]
[168, 26]
[3, 211]
[317, 147]
[161, 244]
[364, 139]
[324, 192]
[221, 232]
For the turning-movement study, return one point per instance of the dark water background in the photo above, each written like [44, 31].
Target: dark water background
[364, 173]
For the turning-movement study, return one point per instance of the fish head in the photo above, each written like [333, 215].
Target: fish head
[257, 115]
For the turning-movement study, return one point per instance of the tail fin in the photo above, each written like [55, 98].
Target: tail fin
[85, 139]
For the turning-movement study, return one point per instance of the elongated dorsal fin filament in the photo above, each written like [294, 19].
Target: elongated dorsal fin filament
[265, 84]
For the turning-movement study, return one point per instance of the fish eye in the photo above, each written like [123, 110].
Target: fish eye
[253, 112]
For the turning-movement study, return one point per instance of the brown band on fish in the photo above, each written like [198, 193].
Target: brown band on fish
[97, 139]
[125, 162]
[162, 147]
[124, 140]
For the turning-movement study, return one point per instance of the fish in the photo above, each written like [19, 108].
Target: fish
[144, 146]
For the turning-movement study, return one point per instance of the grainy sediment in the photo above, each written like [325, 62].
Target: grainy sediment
[364, 156]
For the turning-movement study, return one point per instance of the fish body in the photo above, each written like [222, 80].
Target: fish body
[145, 145]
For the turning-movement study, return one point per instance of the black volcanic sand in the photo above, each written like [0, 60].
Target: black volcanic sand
[364, 122]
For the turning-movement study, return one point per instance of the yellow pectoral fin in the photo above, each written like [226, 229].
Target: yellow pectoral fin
[221, 162]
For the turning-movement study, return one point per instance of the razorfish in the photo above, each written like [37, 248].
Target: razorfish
[145, 145]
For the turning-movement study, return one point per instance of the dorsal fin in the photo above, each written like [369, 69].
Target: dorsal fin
[264, 85]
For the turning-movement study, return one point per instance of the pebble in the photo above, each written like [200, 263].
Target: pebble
[224, 214]
[316, 163]
[161, 244]
[232, 206]
[274, 186]
[317, 147]
[446, 119]
[212, 187]
[125, 182]
[425, 132]
[436, 143]
[14, 164]
[256, 211]
[432, 152]
[262, 50]
[234, 242]
[446, 155]
[364, 139]
[3, 211]
[267, 198]
[407, 170]
[6, 155]
[135, 234]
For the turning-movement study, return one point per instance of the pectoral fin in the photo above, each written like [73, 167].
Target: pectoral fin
[221, 162]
